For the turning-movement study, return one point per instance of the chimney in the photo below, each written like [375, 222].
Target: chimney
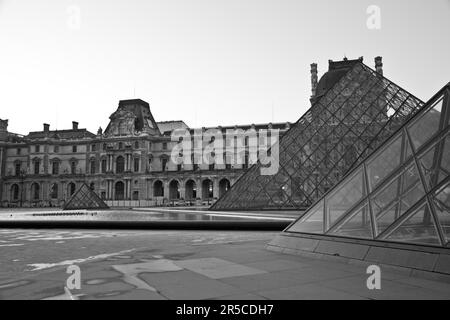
[378, 65]
[46, 127]
[313, 79]
[3, 130]
[74, 125]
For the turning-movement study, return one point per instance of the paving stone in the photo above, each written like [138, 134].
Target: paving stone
[217, 268]
[404, 258]
[277, 265]
[390, 290]
[309, 292]
[342, 249]
[443, 264]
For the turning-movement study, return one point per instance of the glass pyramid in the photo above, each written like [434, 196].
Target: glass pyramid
[341, 128]
[400, 192]
[85, 198]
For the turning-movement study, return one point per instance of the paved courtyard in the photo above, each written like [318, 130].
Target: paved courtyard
[183, 265]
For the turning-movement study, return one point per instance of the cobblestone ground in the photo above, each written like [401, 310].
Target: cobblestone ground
[183, 265]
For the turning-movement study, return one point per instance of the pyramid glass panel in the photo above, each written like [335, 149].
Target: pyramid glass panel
[418, 228]
[384, 162]
[350, 120]
[441, 201]
[426, 126]
[357, 224]
[85, 198]
[410, 200]
[343, 199]
[312, 222]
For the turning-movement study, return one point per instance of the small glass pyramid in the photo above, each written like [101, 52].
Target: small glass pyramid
[85, 198]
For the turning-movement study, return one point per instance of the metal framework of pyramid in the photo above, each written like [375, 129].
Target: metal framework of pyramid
[400, 192]
[341, 128]
[85, 198]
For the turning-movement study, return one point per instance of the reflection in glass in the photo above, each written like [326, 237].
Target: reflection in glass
[384, 162]
[345, 197]
[436, 162]
[426, 126]
[418, 228]
[442, 205]
[357, 224]
[312, 222]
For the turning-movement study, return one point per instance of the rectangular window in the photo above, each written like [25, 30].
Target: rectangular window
[19, 151]
[73, 167]
[55, 167]
[163, 164]
[17, 169]
[136, 164]
[74, 148]
[37, 148]
[164, 146]
[56, 149]
[104, 166]
[93, 167]
[36, 167]
[93, 147]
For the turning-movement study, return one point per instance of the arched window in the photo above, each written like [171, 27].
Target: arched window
[224, 186]
[158, 189]
[174, 190]
[35, 191]
[14, 192]
[120, 164]
[71, 189]
[54, 191]
[191, 190]
[207, 189]
[119, 191]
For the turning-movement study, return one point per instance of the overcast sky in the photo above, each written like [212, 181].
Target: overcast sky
[207, 62]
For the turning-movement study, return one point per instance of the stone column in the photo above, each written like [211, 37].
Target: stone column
[166, 189]
[215, 182]
[199, 188]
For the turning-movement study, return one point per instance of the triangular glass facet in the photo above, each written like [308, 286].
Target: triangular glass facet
[357, 224]
[310, 223]
[419, 228]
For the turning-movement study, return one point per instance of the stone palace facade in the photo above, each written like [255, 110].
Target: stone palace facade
[129, 163]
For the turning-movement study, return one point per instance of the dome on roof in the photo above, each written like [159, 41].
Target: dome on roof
[336, 70]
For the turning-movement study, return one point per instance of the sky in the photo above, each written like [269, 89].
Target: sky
[206, 62]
